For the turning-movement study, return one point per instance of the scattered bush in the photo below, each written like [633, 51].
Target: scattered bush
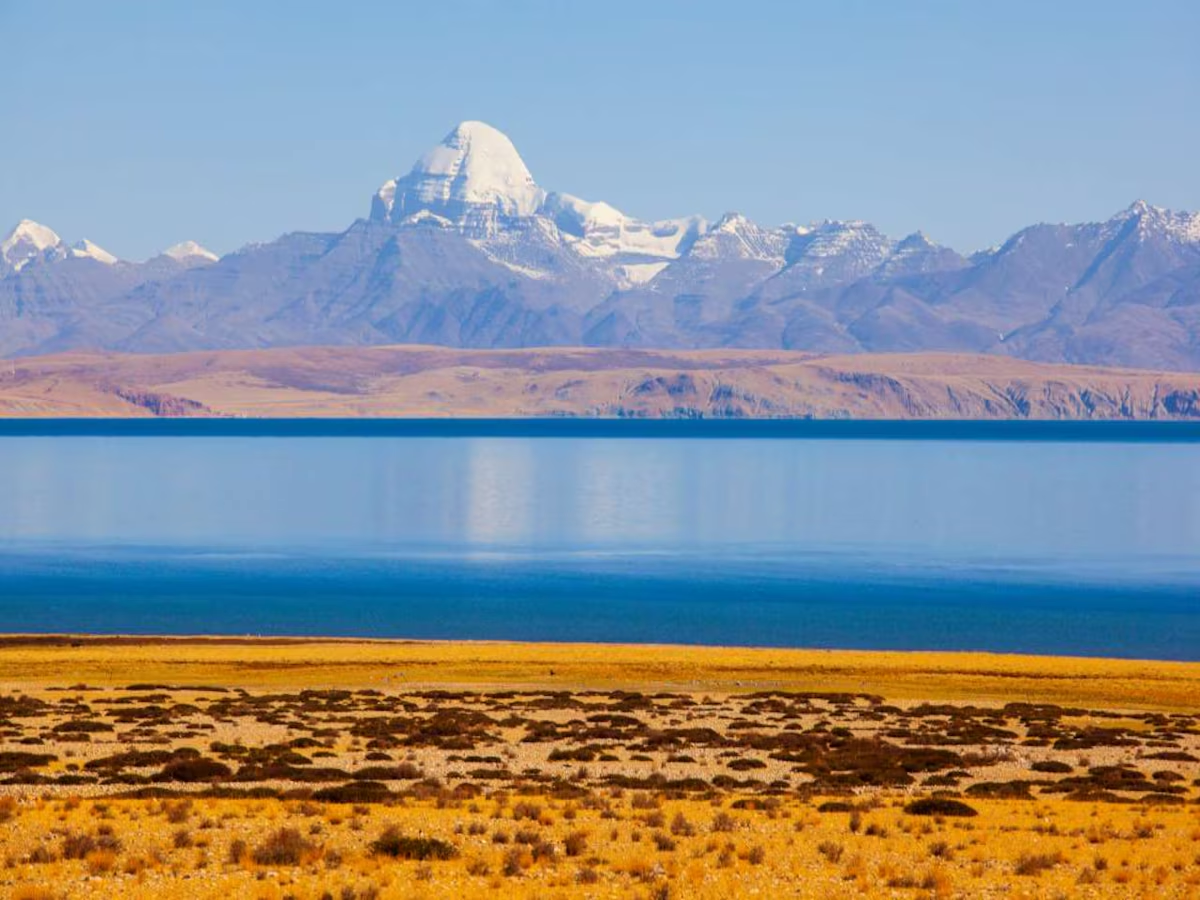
[1052, 766]
[575, 843]
[190, 771]
[285, 847]
[831, 851]
[399, 846]
[939, 806]
[1036, 863]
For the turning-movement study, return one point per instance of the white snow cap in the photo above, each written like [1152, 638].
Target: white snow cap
[1183, 227]
[87, 250]
[27, 241]
[474, 166]
[605, 231]
[189, 250]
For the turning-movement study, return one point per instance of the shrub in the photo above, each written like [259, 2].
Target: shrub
[177, 812]
[575, 843]
[516, 861]
[1053, 766]
[939, 806]
[354, 792]
[76, 845]
[835, 806]
[237, 851]
[41, 855]
[100, 861]
[526, 810]
[831, 851]
[191, 771]
[478, 868]
[722, 821]
[681, 826]
[1036, 863]
[398, 846]
[285, 847]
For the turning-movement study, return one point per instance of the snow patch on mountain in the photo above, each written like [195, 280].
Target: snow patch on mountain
[736, 237]
[28, 241]
[190, 251]
[598, 230]
[1182, 227]
[856, 247]
[85, 249]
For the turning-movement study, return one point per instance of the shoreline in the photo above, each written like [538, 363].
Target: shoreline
[584, 426]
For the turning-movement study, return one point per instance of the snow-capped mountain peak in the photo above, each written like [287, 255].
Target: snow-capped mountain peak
[1181, 227]
[733, 236]
[85, 249]
[190, 251]
[26, 242]
[474, 178]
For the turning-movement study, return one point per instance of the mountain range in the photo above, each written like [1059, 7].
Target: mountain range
[467, 250]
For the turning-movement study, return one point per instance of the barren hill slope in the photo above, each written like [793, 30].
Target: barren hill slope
[435, 381]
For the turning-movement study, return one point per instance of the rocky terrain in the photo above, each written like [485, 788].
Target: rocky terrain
[468, 250]
[434, 381]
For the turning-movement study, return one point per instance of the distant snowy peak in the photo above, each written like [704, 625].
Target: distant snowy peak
[28, 241]
[474, 178]
[85, 249]
[1181, 227]
[733, 236]
[190, 252]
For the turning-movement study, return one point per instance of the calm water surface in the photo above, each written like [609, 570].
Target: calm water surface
[1090, 548]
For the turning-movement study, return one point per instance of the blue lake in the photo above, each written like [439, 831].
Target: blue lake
[1033, 545]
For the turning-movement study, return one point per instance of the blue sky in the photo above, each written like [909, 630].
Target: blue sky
[140, 124]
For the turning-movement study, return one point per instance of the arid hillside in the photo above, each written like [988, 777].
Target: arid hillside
[408, 381]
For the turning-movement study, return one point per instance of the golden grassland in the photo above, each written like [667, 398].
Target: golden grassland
[635, 846]
[351, 770]
[250, 663]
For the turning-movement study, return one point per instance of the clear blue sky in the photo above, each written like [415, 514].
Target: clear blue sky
[139, 124]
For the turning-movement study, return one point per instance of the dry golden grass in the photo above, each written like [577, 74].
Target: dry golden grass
[1107, 683]
[1012, 849]
[518, 802]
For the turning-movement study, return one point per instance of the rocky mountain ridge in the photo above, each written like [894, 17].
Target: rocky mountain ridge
[468, 250]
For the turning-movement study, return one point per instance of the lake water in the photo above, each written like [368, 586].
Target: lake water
[1036, 546]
